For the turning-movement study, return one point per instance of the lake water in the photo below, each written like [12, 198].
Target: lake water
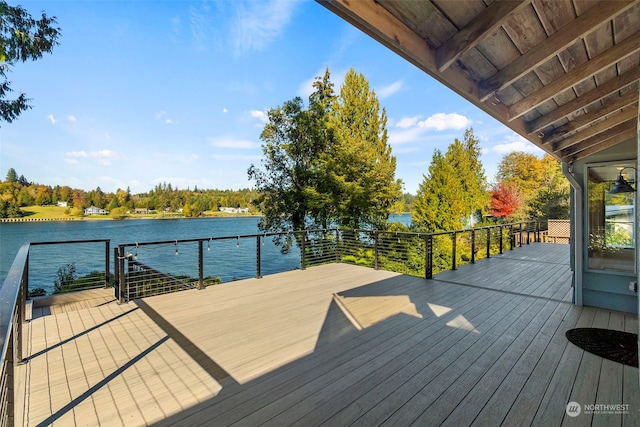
[230, 259]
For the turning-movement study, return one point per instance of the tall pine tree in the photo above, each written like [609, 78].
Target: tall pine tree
[454, 193]
[361, 168]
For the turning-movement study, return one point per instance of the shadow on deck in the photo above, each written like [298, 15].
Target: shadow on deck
[335, 345]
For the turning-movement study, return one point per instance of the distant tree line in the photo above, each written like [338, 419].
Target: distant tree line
[17, 192]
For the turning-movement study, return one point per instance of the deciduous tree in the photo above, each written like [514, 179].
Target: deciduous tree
[504, 200]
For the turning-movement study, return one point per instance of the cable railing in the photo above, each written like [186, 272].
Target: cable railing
[143, 269]
[152, 268]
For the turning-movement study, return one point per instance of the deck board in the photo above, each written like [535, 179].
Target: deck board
[334, 345]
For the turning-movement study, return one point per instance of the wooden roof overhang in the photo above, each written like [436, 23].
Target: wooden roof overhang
[561, 73]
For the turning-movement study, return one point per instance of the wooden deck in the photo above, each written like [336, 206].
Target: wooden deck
[334, 345]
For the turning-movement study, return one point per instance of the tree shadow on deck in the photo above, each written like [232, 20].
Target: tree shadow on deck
[353, 338]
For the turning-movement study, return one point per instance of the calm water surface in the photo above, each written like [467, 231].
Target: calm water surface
[227, 259]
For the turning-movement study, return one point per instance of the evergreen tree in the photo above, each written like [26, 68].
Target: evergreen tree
[22, 38]
[454, 193]
[361, 168]
[12, 176]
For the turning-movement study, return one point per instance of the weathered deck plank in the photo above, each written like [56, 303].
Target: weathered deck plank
[334, 345]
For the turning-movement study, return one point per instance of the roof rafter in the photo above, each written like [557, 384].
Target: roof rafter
[579, 74]
[601, 126]
[488, 21]
[557, 42]
[585, 119]
[374, 20]
[603, 145]
[585, 99]
[620, 132]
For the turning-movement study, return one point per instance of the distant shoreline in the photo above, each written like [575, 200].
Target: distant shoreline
[106, 218]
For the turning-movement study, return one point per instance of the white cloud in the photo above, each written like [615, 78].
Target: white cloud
[444, 121]
[160, 114]
[72, 118]
[258, 23]
[515, 142]
[169, 121]
[260, 115]
[227, 142]
[407, 122]
[389, 90]
[102, 157]
[52, 119]
[236, 157]
[224, 110]
[77, 154]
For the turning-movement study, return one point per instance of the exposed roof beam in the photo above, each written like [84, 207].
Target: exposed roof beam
[579, 74]
[617, 139]
[557, 42]
[488, 21]
[585, 119]
[375, 21]
[601, 126]
[585, 99]
[619, 132]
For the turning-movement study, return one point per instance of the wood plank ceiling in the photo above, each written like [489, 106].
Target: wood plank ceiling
[562, 73]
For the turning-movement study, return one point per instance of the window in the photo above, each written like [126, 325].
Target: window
[611, 221]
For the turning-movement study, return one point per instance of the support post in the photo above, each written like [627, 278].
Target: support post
[489, 242]
[428, 242]
[121, 276]
[200, 266]
[376, 237]
[107, 261]
[454, 242]
[302, 251]
[473, 246]
[258, 258]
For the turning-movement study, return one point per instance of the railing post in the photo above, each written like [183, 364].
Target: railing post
[337, 245]
[428, 242]
[501, 237]
[489, 242]
[121, 276]
[302, 250]
[107, 261]
[473, 246]
[512, 237]
[116, 274]
[258, 258]
[520, 232]
[453, 251]
[376, 236]
[528, 226]
[200, 266]
[10, 383]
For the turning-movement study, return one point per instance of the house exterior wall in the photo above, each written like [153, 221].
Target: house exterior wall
[605, 289]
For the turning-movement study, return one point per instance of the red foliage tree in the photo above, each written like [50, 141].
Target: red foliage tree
[505, 200]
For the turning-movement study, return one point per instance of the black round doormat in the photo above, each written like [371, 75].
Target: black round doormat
[618, 346]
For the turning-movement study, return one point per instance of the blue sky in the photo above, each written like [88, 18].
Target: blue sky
[144, 92]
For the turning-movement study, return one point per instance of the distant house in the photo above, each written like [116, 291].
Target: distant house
[95, 211]
[234, 210]
[141, 211]
[63, 204]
